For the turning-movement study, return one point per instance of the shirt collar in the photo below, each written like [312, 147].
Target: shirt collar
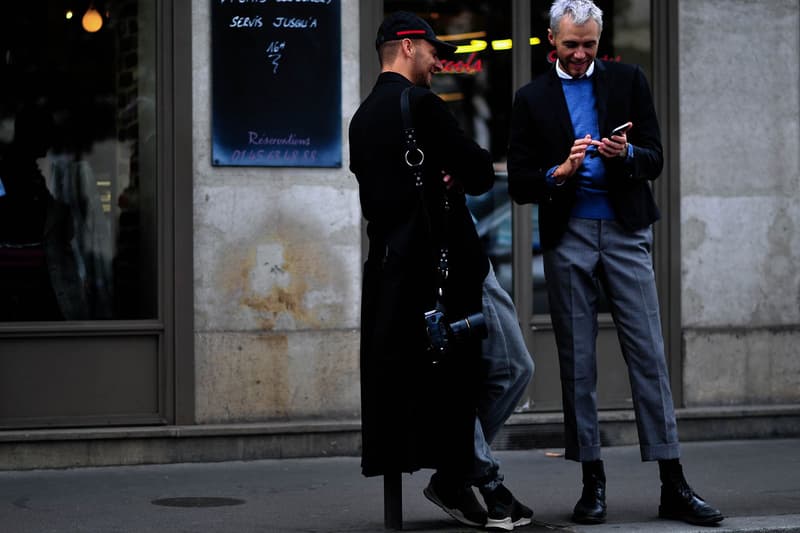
[564, 76]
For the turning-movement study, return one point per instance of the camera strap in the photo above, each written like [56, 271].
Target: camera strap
[414, 158]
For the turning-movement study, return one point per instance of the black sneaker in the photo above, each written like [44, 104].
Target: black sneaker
[504, 512]
[457, 500]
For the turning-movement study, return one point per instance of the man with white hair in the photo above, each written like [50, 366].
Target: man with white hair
[585, 145]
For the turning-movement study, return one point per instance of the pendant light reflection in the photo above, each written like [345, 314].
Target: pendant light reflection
[92, 20]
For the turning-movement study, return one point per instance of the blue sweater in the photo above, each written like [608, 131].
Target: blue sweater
[592, 196]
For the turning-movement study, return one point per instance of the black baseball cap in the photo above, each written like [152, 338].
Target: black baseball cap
[405, 25]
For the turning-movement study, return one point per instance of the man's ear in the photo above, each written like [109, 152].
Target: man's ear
[407, 45]
[551, 37]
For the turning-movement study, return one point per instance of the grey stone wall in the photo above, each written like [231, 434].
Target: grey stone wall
[277, 271]
[278, 251]
[740, 200]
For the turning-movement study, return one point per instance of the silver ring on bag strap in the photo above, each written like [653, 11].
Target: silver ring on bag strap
[421, 158]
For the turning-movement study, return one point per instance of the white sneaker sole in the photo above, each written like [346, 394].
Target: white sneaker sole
[506, 524]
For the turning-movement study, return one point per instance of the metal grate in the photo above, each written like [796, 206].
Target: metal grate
[197, 501]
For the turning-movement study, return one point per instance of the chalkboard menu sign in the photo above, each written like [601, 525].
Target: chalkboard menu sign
[276, 83]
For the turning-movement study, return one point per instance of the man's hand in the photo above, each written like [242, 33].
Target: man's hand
[577, 153]
[616, 146]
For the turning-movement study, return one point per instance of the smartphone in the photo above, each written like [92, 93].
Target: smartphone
[619, 130]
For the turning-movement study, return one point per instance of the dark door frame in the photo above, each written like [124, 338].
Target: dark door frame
[667, 232]
[180, 239]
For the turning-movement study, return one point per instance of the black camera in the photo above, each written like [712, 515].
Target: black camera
[441, 334]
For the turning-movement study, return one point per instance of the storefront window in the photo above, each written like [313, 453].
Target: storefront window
[78, 226]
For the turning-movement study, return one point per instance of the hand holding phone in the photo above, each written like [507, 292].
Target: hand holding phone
[622, 128]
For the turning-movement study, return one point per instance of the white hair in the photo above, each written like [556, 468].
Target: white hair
[580, 11]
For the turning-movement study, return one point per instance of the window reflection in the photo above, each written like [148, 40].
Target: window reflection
[77, 162]
[626, 34]
[477, 83]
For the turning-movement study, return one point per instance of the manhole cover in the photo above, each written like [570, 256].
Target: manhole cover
[197, 502]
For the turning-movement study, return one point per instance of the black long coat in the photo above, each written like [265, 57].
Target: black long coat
[415, 414]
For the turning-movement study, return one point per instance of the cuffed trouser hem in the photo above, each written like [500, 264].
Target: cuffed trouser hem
[489, 484]
[489, 478]
[660, 452]
[582, 454]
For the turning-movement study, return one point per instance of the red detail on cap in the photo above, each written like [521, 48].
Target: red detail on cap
[414, 32]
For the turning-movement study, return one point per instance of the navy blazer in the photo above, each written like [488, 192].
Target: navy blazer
[542, 135]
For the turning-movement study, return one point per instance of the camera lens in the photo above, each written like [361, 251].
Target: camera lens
[472, 326]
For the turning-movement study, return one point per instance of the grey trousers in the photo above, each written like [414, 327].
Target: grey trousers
[507, 369]
[595, 252]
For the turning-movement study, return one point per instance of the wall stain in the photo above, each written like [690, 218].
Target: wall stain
[778, 271]
[276, 292]
[234, 271]
[693, 234]
[243, 378]
[282, 301]
[274, 387]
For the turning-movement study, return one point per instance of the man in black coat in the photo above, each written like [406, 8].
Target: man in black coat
[419, 406]
[592, 183]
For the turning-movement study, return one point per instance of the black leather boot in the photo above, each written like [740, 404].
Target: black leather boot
[679, 501]
[591, 508]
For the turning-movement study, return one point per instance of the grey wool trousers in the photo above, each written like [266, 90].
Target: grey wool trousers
[601, 252]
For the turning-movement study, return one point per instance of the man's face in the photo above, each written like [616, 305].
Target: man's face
[426, 63]
[576, 45]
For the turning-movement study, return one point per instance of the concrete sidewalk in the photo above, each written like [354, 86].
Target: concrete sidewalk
[756, 484]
